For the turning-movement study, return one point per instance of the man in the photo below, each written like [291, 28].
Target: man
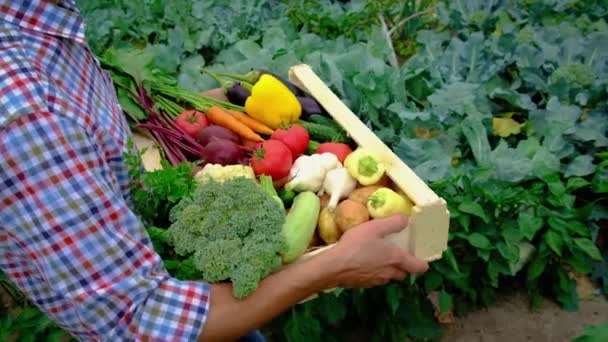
[68, 237]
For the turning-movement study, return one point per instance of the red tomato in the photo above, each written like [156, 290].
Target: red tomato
[273, 158]
[338, 149]
[295, 137]
[191, 122]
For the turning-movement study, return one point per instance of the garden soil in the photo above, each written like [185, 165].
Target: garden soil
[511, 320]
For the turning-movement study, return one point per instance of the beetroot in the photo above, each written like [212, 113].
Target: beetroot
[223, 152]
[215, 132]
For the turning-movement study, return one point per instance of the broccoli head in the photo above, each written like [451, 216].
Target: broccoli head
[576, 74]
[231, 230]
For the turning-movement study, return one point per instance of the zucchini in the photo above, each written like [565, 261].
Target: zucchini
[287, 196]
[300, 224]
[312, 147]
[323, 120]
[323, 133]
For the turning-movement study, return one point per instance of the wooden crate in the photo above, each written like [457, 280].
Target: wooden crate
[426, 236]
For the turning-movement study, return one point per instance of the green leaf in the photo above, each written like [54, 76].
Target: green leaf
[129, 106]
[511, 234]
[558, 224]
[432, 280]
[576, 183]
[578, 228]
[329, 308]
[448, 255]
[581, 166]
[593, 333]
[407, 114]
[545, 163]
[600, 178]
[484, 254]
[457, 97]
[302, 326]
[592, 129]
[393, 295]
[512, 164]
[190, 76]
[135, 62]
[509, 252]
[579, 262]
[473, 208]
[526, 251]
[589, 248]
[479, 241]
[552, 124]
[554, 241]
[477, 136]
[429, 158]
[556, 186]
[536, 268]
[445, 301]
[514, 98]
[529, 223]
[468, 60]
[56, 335]
[565, 289]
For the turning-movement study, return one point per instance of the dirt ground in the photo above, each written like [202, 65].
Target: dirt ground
[511, 320]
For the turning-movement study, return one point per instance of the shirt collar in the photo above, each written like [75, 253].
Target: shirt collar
[59, 17]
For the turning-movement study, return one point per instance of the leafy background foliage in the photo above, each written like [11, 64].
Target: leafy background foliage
[499, 105]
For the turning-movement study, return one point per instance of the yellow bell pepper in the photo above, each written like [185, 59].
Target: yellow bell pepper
[272, 103]
[385, 202]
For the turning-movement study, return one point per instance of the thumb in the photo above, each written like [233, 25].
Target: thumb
[388, 225]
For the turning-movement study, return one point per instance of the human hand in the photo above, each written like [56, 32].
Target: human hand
[366, 259]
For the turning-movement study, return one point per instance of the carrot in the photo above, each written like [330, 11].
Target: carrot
[250, 143]
[221, 117]
[252, 123]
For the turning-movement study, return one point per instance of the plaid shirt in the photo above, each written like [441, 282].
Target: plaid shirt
[68, 237]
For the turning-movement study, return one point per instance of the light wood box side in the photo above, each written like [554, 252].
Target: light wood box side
[427, 234]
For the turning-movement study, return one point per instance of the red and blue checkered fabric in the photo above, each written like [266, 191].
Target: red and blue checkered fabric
[68, 236]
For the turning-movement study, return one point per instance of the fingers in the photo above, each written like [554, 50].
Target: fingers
[388, 225]
[393, 273]
[408, 262]
[398, 274]
[412, 264]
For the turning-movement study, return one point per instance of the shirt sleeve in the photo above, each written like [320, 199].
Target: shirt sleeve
[64, 214]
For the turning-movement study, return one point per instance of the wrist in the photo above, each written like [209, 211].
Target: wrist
[331, 267]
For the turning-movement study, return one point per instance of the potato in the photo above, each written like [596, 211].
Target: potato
[315, 241]
[324, 200]
[384, 181]
[361, 194]
[349, 214]
[327, 228]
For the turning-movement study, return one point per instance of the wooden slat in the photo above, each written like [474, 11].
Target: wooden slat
[414, 187]
[151, 158]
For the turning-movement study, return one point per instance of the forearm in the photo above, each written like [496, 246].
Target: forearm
[230, 318]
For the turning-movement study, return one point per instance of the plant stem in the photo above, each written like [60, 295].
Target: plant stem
[392, 56]
[405, 20]
[224, 83]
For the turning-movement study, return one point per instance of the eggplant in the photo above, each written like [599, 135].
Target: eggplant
[309, 106]
[237, 94]
[253, 76]
[238, 91]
